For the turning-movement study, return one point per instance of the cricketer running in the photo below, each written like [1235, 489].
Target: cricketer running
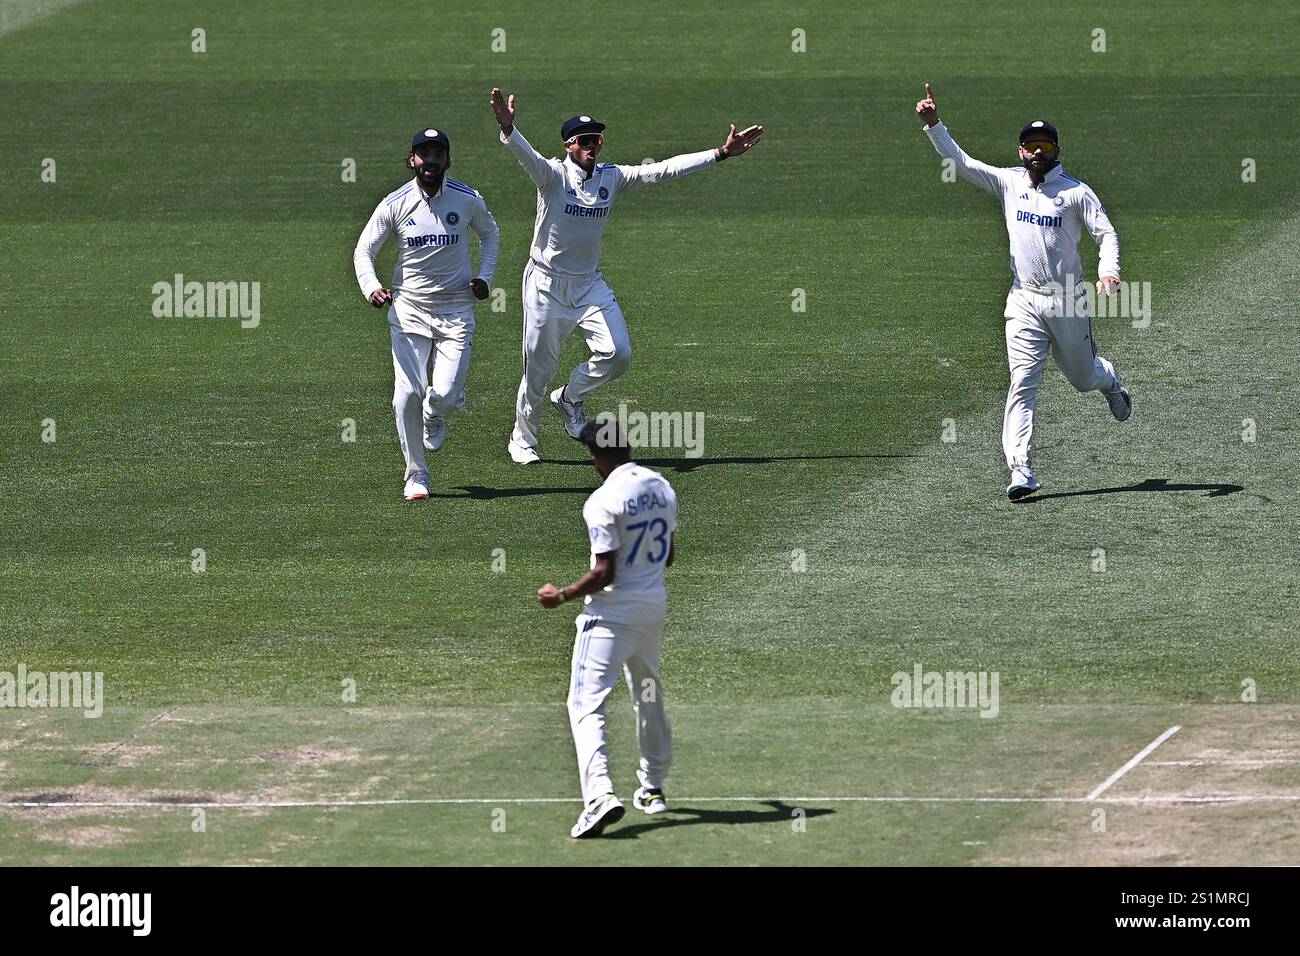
[431, 302]
[1047, 308]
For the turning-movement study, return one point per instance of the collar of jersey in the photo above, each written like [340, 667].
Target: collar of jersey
[622, 467]
[419, 190]
[579, 170]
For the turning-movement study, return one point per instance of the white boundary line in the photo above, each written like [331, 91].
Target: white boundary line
[1147, 800]
[1136, 759]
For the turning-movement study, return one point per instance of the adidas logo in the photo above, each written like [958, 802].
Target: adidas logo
[1025, 196]
[411, 221]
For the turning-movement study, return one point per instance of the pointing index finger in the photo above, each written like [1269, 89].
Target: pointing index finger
[928, 94]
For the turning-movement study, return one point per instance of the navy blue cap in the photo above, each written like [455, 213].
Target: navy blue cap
[430, 135]
[576, 125]
[1039, 129]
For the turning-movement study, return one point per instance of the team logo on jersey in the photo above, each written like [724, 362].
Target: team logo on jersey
[603, 193]
[453, 218]
[1059, 200]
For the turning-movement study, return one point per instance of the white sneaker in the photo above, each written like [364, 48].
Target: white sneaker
[1023, 484]
[1120, 402]
[649, 800]
[417, 488]
[597, 815]
[522, 454]
[575, 420]
[435, 432]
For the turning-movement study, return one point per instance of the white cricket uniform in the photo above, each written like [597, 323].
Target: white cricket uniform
[1044, 223]
[634, 513]
[432, 312]
[563, 287]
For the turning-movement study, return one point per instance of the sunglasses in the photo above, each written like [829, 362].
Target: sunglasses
[1038, 144]
[588, 140]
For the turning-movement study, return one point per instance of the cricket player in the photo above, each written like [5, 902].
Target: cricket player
[1048, 307]
[631, 521]
[563, 287]
[431, 303]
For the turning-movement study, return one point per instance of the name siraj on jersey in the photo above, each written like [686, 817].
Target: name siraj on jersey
[646, 502]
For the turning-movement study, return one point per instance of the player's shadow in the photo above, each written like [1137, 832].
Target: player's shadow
[483, 493]
[778, 812]
[1151, 484]
[684, 465]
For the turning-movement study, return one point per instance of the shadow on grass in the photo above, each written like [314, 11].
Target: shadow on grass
[690, 464]
[778, 812]
[1151, 484]
[483, 493]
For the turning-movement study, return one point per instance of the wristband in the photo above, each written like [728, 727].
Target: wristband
[563, 597]
[722, 153]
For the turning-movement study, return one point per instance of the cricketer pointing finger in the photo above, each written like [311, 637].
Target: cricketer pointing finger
[1049, 307]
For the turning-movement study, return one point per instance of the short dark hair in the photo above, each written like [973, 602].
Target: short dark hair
[603, 436]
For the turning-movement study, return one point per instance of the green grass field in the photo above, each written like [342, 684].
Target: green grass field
[823, 450]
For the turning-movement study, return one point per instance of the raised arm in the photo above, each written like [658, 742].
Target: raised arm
[737, 144]
[1094, 217]
[363, 257]
[538, 168]
[972, 170]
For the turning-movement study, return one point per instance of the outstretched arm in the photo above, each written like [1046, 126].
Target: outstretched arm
[539, 170]
[972, 170]
[737, 144]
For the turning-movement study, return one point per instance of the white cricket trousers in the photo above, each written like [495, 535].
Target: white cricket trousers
[553, 305]
[602, 649]
[447, 337]
[1035, 325]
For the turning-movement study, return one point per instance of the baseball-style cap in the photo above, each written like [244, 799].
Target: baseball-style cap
[1039, 129]
[576, 125]
[430, 135]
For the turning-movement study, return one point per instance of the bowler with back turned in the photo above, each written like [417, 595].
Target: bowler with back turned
[631, 522]
[1048, 308]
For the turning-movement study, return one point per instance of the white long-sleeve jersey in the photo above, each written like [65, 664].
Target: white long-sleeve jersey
[634, 513]
[572, 207]
[432, 233]
[1044, 222]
